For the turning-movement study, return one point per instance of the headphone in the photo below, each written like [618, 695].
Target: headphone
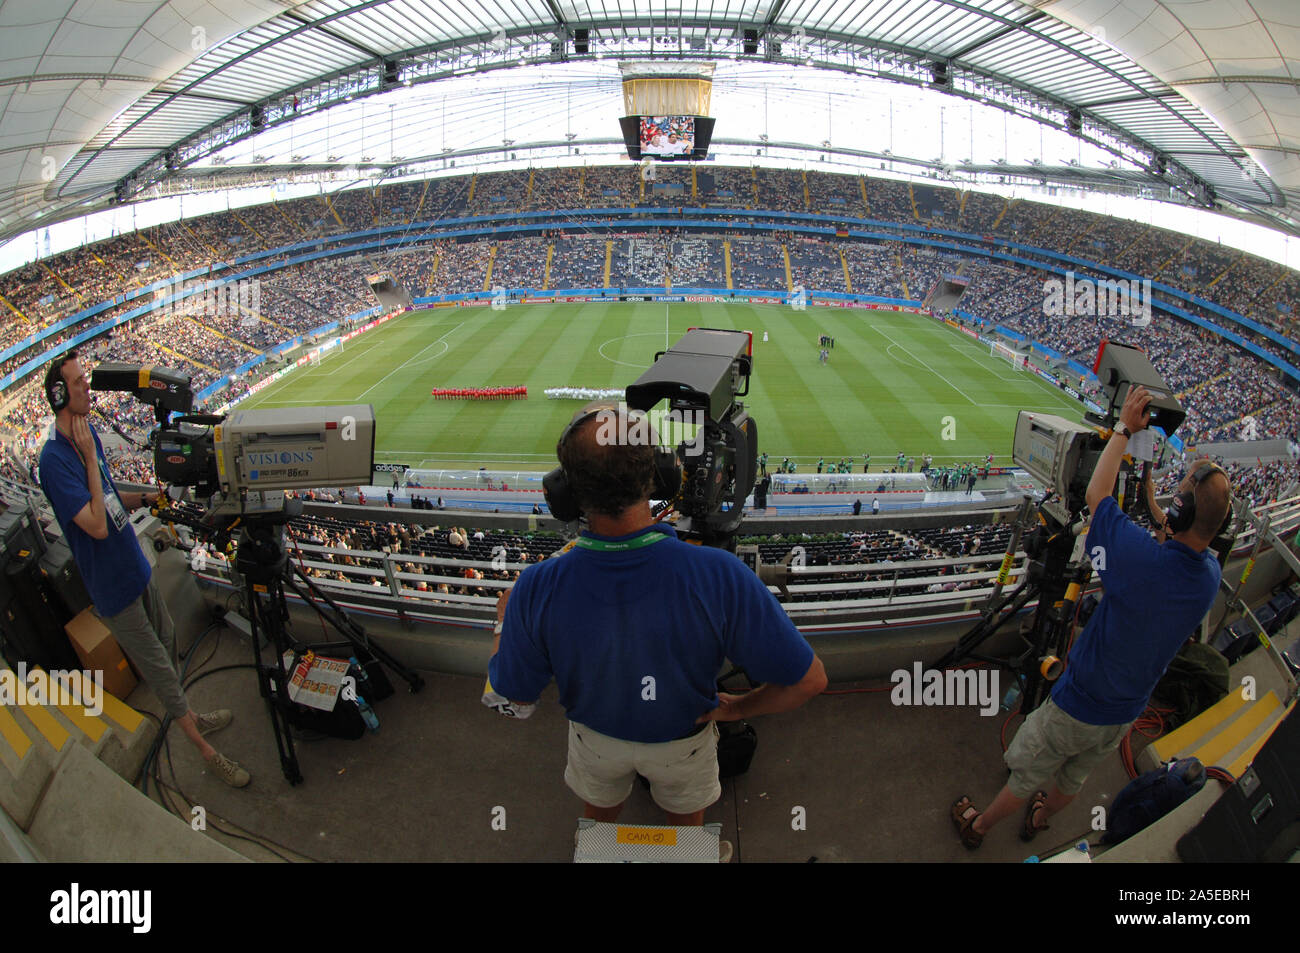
[1181, 513]
[558, 491]
[56, 388]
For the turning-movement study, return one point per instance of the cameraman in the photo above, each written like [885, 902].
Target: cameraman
[92, 513]
[1155, 596]
[634, 625]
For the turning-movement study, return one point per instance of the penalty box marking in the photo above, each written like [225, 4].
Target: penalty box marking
[408, 361]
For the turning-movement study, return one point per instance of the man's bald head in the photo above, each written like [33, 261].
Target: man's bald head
[1213, 498]
[610, 462]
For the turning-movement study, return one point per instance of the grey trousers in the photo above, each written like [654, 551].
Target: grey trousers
[144, 630]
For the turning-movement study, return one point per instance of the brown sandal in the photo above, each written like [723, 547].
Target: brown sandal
[970, 838]
[1028, 830]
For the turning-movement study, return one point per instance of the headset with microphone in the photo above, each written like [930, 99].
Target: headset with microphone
[558, 489]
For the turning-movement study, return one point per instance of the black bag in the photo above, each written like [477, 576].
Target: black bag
[737, 742]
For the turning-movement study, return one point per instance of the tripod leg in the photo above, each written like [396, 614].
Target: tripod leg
[272, 680]
[346, 627]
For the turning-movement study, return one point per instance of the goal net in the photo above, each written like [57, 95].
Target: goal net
[1006, 353]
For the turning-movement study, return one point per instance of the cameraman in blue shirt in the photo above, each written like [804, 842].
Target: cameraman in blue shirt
[93, 515]
[634, 624]
[1127, 644]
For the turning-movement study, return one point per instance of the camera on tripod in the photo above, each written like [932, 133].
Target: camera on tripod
[701, 376]
[239, 464]
[1062, 455]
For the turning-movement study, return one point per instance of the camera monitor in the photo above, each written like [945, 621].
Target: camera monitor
[1120, 368]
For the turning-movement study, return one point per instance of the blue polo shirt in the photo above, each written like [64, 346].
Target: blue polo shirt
[114, 568]
[635, 636]
[1155, 597]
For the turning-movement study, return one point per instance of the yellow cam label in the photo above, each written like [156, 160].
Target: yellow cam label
[664, 836]
[1005, 571]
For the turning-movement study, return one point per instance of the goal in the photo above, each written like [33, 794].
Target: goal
[1006, 353]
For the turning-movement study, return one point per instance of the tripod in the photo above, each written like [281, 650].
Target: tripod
[263, 562]
[1056, 585]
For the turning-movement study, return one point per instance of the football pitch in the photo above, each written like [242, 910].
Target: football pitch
[892, 382]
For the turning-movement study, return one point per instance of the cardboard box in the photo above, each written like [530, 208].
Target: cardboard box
[99, 651]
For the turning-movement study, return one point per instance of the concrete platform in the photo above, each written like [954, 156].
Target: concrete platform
[446, 779]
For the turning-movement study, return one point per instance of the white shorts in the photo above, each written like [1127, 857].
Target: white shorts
[683, 774]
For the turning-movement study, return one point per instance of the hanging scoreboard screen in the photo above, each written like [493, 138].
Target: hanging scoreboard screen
[667, 137]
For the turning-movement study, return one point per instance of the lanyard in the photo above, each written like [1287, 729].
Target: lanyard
[605, 546]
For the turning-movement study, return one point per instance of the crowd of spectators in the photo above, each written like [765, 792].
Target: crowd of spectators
[1220, 384]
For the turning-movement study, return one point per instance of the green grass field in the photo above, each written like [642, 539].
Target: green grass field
[891, 381]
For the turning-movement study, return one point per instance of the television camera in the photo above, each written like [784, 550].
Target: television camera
[238, 466]
[1062, 455]
[701, 377]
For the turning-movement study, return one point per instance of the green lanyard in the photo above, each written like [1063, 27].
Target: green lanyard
[604, 546]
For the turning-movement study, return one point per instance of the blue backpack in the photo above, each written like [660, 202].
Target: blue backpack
[1151, 796]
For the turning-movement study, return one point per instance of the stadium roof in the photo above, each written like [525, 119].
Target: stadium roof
[99, 100]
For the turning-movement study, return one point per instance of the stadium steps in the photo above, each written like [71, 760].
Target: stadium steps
[260, 237]
[911, 197]
[726, 261]
[145, 238]
[295, 227]
[1084, 234]
[789, 278]
[55, 275]
[6, 303]
[332, 210]
[1176, 255]
[247, 347]
[807, 195]
[844, 263]
[1227, 734]
[88, 814]
[35, 738]
[261, 317]
[1223, 274]
[1006, 207]
[188, 360]
[1131, 245]
[433, 272]
[862, 186]
[216, 255]
[609, 260]
[492, 260]
[1045, 227]
[419, 205]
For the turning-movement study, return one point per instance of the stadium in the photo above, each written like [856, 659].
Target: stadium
[924, 218]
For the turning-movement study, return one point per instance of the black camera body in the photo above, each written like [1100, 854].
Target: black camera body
[701, 377]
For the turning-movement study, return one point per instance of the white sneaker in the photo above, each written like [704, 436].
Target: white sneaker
[212, 721]
[229, 771]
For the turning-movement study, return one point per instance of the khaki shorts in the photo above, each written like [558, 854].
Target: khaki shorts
[1052, 746]
[683, 774]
